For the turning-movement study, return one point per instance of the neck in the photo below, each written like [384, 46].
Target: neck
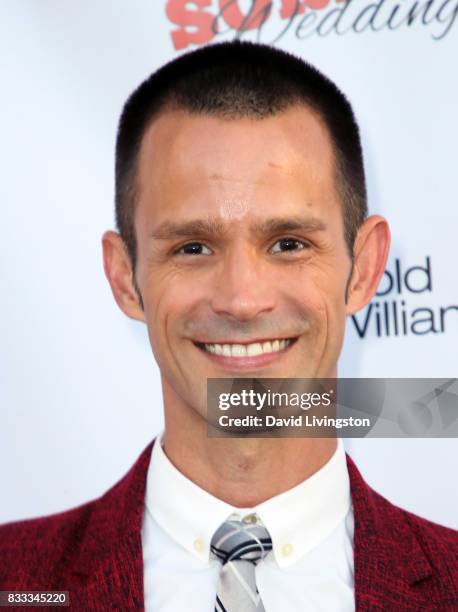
[242, 472]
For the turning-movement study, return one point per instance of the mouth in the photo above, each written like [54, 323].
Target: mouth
[246, 354]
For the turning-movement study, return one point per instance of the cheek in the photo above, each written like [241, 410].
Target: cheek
[170, 297]
[324, 296]
[334, 312]
[318, 292]
[167, 299]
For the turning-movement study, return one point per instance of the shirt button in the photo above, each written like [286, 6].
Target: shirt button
[199, 545]
[286, 550]
[250, 519]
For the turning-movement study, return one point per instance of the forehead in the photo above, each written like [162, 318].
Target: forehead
[192, 159]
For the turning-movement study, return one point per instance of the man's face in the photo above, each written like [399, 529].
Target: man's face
[242, 261]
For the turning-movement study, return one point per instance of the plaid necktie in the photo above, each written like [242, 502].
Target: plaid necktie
[239, 546]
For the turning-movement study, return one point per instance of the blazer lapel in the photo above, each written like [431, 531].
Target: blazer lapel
[390, 564]
[107, 570]
[114, 583]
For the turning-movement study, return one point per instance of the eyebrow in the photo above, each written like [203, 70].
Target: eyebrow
[169, 230]
[274, 225]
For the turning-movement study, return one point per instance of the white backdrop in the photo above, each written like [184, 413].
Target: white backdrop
[79, 390]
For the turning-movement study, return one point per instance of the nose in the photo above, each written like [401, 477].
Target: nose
[243, 288]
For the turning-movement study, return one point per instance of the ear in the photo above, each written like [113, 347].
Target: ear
[118, 270]
[370, 253]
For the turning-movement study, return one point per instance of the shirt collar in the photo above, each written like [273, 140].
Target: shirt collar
[297, 520]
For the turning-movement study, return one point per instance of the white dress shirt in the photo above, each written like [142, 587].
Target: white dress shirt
[311, 525]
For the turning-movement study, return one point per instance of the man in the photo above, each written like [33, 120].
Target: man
[243, 244]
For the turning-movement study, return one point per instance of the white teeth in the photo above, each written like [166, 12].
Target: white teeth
[250, 350]
[238, 350]
[254, 349]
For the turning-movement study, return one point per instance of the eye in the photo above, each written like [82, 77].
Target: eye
[194, 248]
[288, 244]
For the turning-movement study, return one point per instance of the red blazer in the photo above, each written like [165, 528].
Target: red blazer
[94, 551]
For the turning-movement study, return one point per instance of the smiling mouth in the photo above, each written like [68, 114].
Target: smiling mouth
[252, 349]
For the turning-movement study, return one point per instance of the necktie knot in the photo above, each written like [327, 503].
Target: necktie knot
[235, 540]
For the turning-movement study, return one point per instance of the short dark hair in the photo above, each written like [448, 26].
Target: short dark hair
[233, 80]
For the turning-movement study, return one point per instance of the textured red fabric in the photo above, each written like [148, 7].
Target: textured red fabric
[402, 562]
